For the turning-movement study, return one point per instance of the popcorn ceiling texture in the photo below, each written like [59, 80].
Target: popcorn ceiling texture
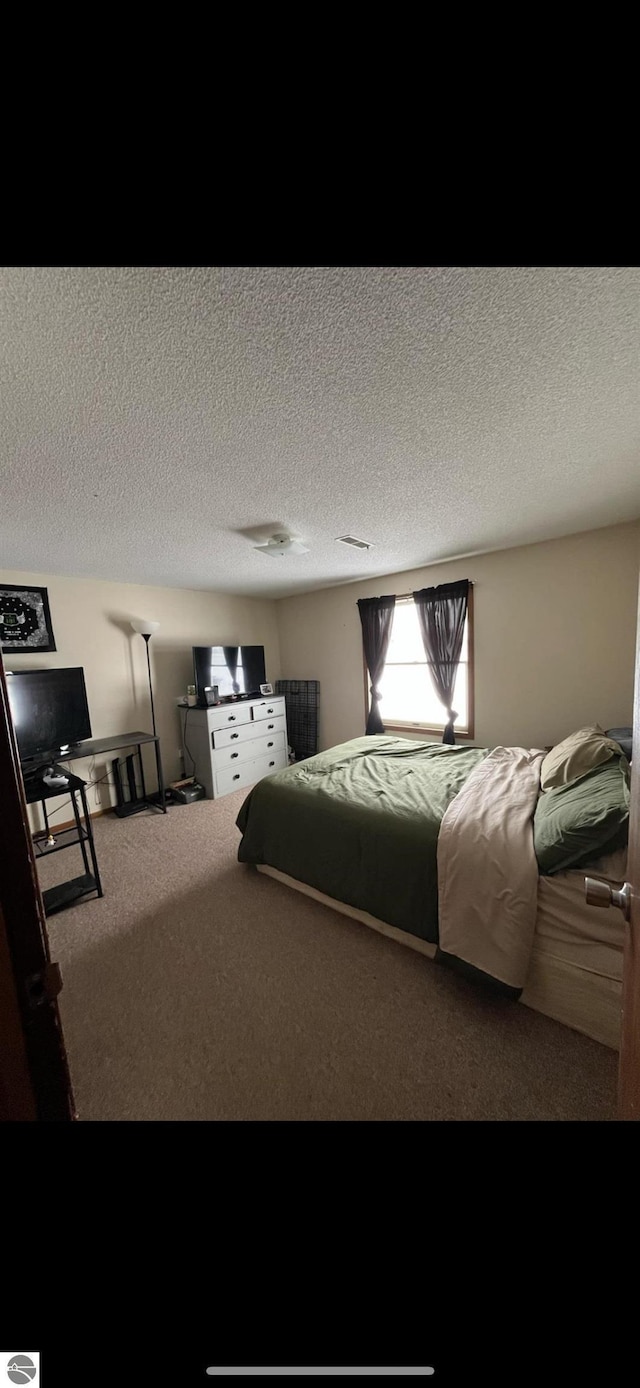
[158, 422]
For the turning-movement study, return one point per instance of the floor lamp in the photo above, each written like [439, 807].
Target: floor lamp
[147, 629]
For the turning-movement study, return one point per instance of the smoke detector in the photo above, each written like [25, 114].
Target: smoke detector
[280, 544]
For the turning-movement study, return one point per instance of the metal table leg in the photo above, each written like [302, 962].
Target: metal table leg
[76, 816]
[92, 848]
[163, 805]
[143, 788]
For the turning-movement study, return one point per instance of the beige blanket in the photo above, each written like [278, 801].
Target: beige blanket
[487, 867]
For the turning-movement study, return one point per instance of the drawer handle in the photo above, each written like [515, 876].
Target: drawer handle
[270, 727]
[233, 735]
[269, 744]
[232, 718]
[237, 776]
[269, 710]
[234, 754]
[271, 763]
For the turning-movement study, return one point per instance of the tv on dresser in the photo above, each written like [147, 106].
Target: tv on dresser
[238, 671]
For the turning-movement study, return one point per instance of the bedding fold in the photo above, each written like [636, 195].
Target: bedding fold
[487, 867]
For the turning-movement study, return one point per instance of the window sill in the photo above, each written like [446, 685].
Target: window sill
[424, 728]
[426, 732]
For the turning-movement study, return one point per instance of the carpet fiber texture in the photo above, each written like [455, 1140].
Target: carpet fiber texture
[199, 989]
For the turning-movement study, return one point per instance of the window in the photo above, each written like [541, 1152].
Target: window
[409, 698]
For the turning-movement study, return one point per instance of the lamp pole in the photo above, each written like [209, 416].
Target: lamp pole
[147, 638]
[146, 629]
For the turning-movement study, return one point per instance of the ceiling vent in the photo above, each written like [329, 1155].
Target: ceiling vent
[282, 544]
[351, 540]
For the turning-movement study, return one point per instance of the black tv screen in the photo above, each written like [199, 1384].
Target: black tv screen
[49, 710]
[235, 669]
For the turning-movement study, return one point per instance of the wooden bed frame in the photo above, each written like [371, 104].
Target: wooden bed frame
[586, 1001]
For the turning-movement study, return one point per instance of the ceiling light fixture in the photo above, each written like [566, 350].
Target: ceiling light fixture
[281, 544]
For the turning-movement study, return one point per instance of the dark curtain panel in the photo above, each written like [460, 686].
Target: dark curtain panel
[376, 615]
[441, 613]
[231, 654]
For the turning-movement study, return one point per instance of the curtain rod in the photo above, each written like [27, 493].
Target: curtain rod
[417, 590]
[400, 596]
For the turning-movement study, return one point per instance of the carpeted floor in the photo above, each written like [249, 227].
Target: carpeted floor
[197, 988]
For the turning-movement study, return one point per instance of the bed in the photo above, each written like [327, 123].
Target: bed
[433, 846]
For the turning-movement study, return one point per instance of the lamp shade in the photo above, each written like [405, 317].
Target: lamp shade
[143, 626]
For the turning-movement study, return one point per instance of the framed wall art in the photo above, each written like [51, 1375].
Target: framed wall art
[25, 620]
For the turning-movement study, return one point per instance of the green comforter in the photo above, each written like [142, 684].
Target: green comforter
[360, 823]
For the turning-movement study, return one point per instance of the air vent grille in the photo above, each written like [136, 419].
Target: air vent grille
[352, 540]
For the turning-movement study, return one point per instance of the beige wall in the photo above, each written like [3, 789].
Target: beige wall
[91, 628]
[554, 649]
[554, 638]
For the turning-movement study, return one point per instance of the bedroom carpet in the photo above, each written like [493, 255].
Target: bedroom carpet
[198, 988]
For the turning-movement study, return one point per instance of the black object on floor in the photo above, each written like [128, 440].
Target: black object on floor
[56, 898]
[187, 794]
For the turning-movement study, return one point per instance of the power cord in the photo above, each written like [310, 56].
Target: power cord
[88, 785]
[186, 745]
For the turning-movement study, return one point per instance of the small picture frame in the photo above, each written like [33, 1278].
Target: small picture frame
[25, 620]
[266, 689]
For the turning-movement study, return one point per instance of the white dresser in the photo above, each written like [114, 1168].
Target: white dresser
[234, 745]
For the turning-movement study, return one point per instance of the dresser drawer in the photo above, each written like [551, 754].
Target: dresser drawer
[247, 751]
[265, 766]
[228, 716]
[268, 708]
[267, 726]
[248, 772]
[234, 777]
[266, 746]
[231, 736]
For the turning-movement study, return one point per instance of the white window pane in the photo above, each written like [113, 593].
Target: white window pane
[460, 697]
[464, 654]
[406, 642]
[408, 696]
[406, 639]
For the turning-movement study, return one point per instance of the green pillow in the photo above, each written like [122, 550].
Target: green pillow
[574, 822]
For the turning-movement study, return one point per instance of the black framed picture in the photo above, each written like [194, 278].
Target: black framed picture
[25, 620]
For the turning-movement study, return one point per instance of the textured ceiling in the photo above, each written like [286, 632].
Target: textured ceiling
[157, 422]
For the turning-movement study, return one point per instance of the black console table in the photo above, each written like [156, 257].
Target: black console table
[97, 747]
[66, 892]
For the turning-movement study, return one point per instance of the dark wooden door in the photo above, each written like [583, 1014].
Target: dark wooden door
[34, 1077]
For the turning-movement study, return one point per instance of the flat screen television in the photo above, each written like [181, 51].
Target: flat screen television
[49, 710]
[235, 670]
